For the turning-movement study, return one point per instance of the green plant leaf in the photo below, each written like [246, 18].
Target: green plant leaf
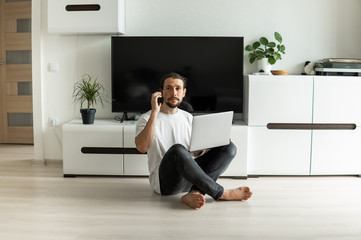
[252, 59]
[282, 49]
[260, 53]
[277, 56]
[263, 40]
[270, 50]
[271, 60]
[249, 48]
[256, 45]
[271, 44]
[278, 37]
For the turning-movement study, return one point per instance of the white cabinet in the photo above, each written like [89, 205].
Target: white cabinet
[303, 110]
[314, 106]
[77, 136]
[86, 16]
[107, 148]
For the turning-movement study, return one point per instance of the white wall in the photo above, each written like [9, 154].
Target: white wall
[311, 29]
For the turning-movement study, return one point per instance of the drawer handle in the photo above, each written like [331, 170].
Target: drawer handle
[109, 150]
[312, 126]
[82, 7]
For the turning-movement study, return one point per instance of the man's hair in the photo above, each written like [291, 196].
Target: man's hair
[173, 75]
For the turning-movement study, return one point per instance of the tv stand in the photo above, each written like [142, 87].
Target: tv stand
[107, 148]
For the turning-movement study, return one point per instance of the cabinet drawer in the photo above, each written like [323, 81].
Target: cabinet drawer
[100, 134]
[278, 99]
[136, 164]
[93, 135]
[336, 152]
[238, 167]
[92, 164]
[278, 152]
[337, 100]
[129, 136]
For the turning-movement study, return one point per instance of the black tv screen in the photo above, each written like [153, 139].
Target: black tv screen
[212, 65]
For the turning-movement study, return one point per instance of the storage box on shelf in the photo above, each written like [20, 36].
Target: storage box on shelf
[86, 16]
[307, 110]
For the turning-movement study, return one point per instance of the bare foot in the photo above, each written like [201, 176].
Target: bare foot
[194, 199]
[241, 193]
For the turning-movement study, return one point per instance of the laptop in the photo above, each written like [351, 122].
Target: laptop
[211, 130]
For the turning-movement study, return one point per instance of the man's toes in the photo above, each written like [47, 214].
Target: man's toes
[200, 204]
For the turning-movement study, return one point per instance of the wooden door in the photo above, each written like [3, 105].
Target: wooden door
[16, 117]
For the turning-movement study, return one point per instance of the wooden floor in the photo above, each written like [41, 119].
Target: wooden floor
[36, 202]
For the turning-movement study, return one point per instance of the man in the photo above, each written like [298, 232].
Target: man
[164, 133]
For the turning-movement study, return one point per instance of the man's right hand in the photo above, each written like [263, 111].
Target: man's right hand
[145, 137]
[155, 105]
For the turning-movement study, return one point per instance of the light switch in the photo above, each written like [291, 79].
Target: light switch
[53, 67]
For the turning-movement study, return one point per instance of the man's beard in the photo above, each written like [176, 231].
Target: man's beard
[173, 105]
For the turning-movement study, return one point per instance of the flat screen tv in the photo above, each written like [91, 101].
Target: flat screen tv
[212, 65]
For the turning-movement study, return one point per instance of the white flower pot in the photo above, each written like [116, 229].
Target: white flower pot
[264, 66]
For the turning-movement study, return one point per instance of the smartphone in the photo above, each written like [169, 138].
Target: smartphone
[160, 100]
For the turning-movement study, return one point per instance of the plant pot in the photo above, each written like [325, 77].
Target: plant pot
[264, 66]
[88, 117]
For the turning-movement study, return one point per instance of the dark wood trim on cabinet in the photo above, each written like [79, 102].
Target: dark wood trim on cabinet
[109, 150]
[82, 7]
[312, 126]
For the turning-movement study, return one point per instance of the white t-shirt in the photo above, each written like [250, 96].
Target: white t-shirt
[170, 129]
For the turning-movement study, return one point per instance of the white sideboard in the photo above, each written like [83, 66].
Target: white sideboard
[303, 125]
[294, 125]
[107, 148]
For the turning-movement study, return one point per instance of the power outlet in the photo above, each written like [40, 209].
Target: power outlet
[53, 121]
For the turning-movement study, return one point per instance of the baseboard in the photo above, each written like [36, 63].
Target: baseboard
[38, 162]
[53, 162]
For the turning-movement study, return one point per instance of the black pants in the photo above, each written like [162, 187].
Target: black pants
[179, 172]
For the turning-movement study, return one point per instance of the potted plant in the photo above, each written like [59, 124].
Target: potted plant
[89, 91]
[266, 51]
